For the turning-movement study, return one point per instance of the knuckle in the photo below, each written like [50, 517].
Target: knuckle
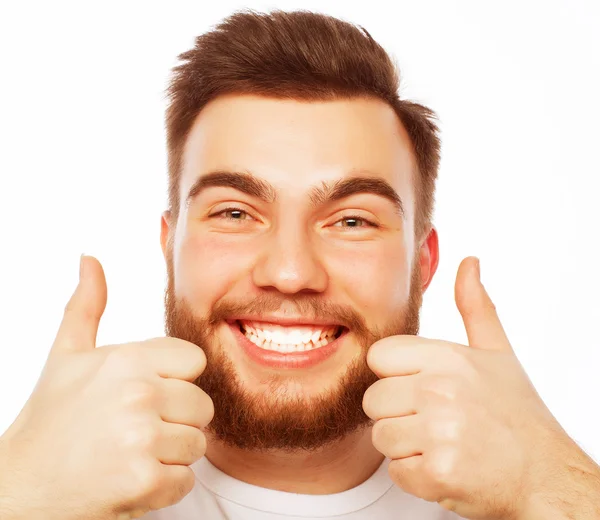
[150, 480]
[447, 428]
[383, 433]
[376, 434]
[377, 354]
[142, 437]
[167, 489]
[139, 393]
[194, 352]
[367, 401]
[147, 478]
[201, 403]
[414, 481]
[440, 467]
[378, 397]
[123, 358]
[69, 307]
[488, 305]
[450, 504]
[198, 446]
[458, 360]
[438, 386]
[426, 489]
[184, 485]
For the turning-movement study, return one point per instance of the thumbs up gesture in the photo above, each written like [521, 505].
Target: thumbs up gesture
[464, 426]
[107, 433]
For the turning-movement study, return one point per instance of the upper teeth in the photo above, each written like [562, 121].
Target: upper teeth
[296, 335]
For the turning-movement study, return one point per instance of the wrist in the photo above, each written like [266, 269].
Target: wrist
[568, 488]
[7, 500]
[6, 506]
[14, 505]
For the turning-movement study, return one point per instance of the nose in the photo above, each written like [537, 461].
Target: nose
[289, 263]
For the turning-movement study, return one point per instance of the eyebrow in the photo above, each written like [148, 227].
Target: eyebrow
[362, 181]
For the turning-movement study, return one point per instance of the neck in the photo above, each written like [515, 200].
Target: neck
[334, 469]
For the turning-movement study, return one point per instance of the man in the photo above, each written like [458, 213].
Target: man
[292, 383]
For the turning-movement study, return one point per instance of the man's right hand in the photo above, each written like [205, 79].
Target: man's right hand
[107, 433]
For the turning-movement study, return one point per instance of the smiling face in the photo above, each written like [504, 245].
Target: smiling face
[293, 251]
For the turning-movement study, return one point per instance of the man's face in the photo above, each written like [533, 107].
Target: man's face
[284, 273]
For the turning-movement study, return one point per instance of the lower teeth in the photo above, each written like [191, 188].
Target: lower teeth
[293, 348]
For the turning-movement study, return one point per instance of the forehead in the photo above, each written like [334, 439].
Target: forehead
[297, 144]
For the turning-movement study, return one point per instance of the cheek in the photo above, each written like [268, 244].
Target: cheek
[375, 276]
[207, 266]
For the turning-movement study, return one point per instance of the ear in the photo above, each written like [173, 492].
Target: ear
[428, 257]
[166, 229]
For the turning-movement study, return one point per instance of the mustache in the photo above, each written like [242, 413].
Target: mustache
[306, 306]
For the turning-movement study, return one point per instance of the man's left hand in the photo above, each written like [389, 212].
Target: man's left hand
[464, 425]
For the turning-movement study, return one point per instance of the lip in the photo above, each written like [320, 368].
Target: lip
[287, 360]
[284, 321]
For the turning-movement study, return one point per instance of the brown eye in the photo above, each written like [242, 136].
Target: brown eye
[354, 222]
[232, 214]
[235, 214]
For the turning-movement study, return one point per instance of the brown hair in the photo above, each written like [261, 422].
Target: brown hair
[295, 55]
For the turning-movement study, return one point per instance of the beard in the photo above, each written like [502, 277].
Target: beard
[275, 419]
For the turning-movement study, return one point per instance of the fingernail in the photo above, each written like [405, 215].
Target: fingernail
[478, 267]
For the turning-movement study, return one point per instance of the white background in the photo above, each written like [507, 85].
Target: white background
[82, 169]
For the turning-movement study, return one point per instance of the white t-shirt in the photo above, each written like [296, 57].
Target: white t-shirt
[217, 496]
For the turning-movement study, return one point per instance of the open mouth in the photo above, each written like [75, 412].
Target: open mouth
[298, 338]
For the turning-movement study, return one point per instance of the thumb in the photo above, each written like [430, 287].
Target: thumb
[478, 312]
[81, 319]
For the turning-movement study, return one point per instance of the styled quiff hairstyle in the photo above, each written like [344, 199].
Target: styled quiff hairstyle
[299, 55]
